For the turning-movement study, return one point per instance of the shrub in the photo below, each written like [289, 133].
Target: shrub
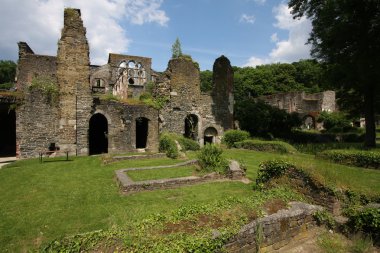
[211, 159]
[168, 145]
[334, 121]
[188, 144]
[270, 146]
[232, 136]
[366, 220]
[272, 169]
[324, 218]
[358, 158]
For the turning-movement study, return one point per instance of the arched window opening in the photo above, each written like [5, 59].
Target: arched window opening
[98, 134]
[191, 127]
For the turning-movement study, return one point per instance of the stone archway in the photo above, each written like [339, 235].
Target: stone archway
[142, 127]
[210, 135]
[309, 122]
[191, 126]
[98, 134]
[7, 131]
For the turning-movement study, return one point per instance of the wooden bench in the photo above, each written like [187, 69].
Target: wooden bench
[48, 153]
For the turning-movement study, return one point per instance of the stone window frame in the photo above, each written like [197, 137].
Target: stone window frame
[133, 71]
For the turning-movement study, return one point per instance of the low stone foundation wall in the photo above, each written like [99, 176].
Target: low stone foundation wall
[275, 231]
[136, 157]
[127, 185]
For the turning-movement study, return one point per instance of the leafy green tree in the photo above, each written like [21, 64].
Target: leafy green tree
[261, 119]
[346, 36]
[206, 80]
[7, 73]
[176, 49]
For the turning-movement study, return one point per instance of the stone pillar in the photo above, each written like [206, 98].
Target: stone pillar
[222, 93]
[73, 74]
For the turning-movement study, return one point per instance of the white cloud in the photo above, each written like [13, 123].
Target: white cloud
[261, 2]
[39, 23]
[255, 61]
[292, 49]
[250, 19]
[274, 37]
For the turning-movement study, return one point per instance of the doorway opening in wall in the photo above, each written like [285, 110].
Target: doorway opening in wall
[309, 122]
[191, 127]
[98, 134]
[141, 132]
[7, 131]
[210, 135]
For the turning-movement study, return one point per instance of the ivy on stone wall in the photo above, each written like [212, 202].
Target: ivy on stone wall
[48, 86]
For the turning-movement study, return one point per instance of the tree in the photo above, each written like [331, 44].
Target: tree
[7, 73]
[261, 119]
[346, 35]
[176, 49]
[206, 80]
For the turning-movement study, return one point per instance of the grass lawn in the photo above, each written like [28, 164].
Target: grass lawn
[42, 202]
[142, 175]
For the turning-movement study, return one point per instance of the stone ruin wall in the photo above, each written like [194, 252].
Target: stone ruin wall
[122, 125]
[73, 74]
[128, 90]
[181, 83]
[37, 115]
[222, 93]
[301, 102]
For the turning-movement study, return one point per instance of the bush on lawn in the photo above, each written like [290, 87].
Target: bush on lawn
[232, 136]
[269, 146]
[211, 159]
[360, 158]
[168, 146]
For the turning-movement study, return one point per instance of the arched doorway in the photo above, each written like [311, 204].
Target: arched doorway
[98, 134]
[309, 122]
[191, 127]
[210, 135]
[142, 125]
[7, 131]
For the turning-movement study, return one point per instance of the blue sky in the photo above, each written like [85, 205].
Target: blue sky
[248, 32]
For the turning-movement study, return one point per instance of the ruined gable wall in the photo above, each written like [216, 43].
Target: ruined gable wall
[73, 73]
[301, 102]
[122, 125]
[126, 89]
[182, 85]
[37, 115]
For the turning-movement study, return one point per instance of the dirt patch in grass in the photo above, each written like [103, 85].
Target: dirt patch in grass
[191, 226]
[274, 205]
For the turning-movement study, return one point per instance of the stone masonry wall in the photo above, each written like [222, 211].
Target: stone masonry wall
[301, 102]
[122, 125]
[73, 73]
[222, 94]
[31, 65]
[182, 87]
[37, 114]
[36, 124]
[277, 230]
[181, 83]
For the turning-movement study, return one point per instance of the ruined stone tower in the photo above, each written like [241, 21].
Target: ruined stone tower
[199, 116]
[222, 94]
[73, 75]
